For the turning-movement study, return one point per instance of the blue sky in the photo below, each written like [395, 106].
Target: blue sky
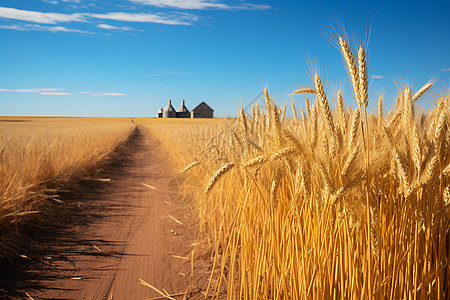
[128, 57]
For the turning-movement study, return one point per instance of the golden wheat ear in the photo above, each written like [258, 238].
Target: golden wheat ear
[351, 67]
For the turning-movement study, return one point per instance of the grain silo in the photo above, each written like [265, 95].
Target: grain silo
[183, 112]
[159, 113]
[169, 111]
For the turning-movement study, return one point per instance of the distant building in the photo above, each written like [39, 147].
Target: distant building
[202, 111]
[183, 112]
[160, 112]
[169, 111]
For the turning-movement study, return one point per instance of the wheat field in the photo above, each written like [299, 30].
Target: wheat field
[42, 157]
[331, 204]
[338, 203]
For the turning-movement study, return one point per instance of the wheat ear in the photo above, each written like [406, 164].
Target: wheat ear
[189, 167]
[441, 131]
[363, 83]
[323, 104]
[421, 91]
[302, 114]
[226, 168]
[274, 156]
[308, 108]
[341, 112]
[354, 129]
[305, 91]
[294, 111]
[410, 125]
[380, 113]
[351, 65]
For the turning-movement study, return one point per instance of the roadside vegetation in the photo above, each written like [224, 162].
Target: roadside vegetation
[42, 159]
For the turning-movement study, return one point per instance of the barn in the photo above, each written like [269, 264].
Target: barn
[202, 111]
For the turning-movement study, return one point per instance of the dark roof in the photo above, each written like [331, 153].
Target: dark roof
[203, 103]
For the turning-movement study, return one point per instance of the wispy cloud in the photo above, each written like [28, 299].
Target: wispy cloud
[54, 18]
[178, 19]
[200, 4]
[39, 17]
[41, 91]
[56, 1]
[55, 93]
[111, 27]
[446, 70]
[28, 90]
[102, 94]
[377, 76]
[36, 27]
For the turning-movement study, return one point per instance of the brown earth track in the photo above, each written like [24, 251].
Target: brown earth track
[117, 232]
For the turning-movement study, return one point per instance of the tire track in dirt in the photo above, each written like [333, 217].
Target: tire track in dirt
[118, 231]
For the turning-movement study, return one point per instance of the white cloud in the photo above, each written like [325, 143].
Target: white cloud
[111, 27]
[184, 4]
[102, 94]
[446, 70]
[54, 18]
[36, 27]
[378, 77]
[56, 1]
[55, 93]
[200, 4]
[180, 19]
[39, 17]
[39, 90]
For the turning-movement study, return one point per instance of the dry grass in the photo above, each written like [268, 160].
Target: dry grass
[342, 204]
[39, 157]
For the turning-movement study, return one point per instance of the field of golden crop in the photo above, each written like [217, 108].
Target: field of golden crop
[39, 157]
[333, 203]
[336, 203]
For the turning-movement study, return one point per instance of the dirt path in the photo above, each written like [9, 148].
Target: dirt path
[119, 231]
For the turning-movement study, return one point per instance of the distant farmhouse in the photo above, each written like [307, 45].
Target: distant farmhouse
[200, 111]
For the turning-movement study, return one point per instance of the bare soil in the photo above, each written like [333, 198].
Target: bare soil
[114, 233]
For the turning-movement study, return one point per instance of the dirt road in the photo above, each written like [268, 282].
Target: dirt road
[117, 232]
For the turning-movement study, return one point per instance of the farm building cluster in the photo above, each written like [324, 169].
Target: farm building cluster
[200, 111]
